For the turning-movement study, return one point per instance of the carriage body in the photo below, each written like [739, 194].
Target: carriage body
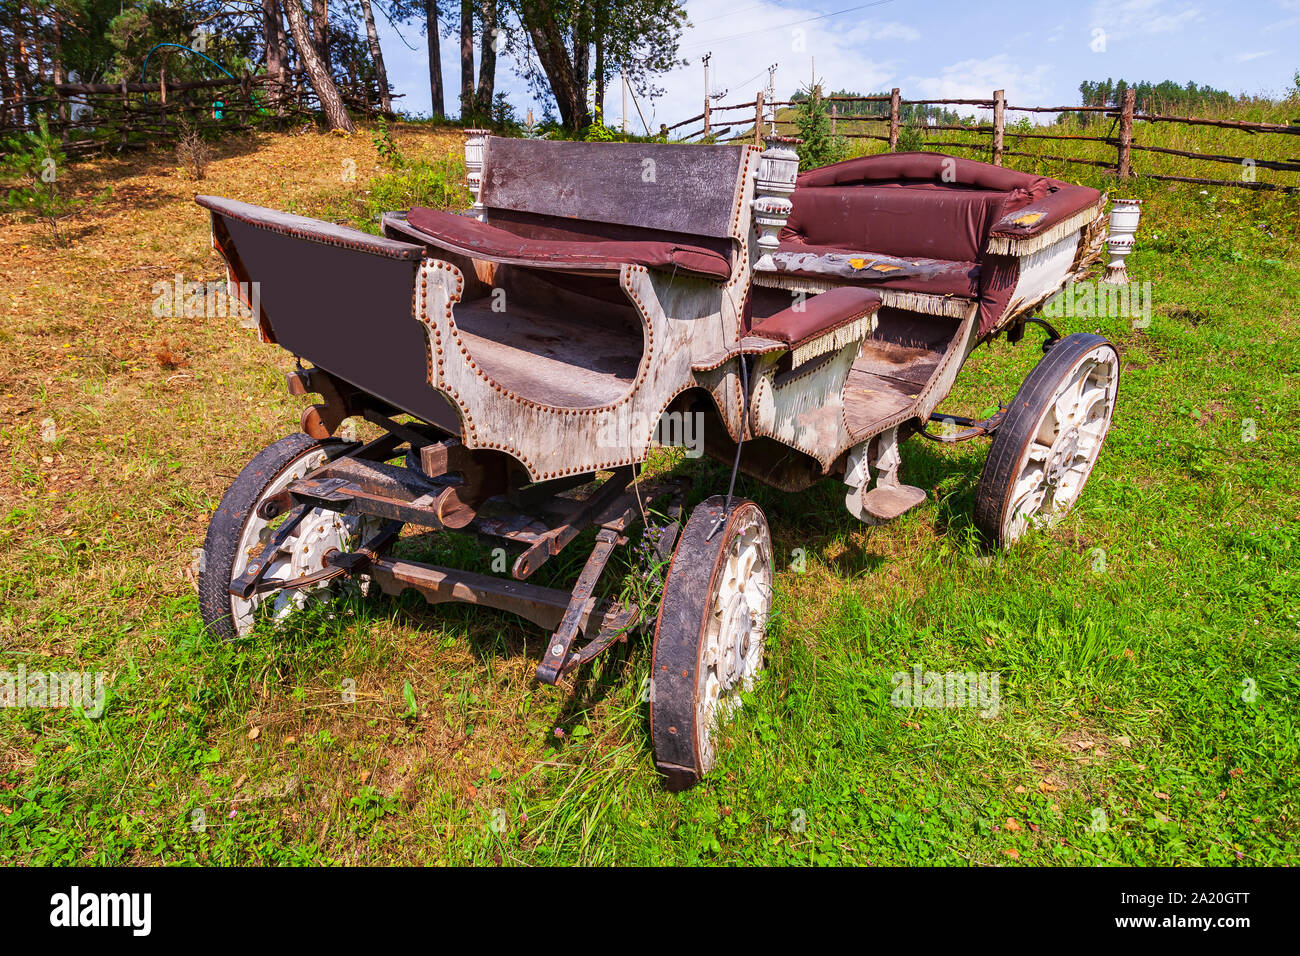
[803, 326]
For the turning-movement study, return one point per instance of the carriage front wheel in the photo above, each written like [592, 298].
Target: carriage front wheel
[709, 637]
[245, 523]
[1049, 441]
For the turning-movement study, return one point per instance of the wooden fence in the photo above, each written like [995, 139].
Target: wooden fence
[1125, 116]
[91, 116]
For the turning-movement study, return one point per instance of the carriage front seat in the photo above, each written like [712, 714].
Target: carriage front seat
[595, 207]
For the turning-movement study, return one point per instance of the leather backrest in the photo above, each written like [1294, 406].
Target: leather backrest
[688, 190]
[908, 204]
[903, 220]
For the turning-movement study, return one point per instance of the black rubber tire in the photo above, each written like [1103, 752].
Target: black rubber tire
[993, 496]
[227, 525]
[676, 668]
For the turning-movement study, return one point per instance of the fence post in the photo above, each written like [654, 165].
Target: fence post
[999, 124]
[1126, 110]
[758, 119]
[162, 93]
[893, 119]
[835, 114]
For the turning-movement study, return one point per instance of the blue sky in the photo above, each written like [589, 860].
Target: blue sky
[1037, 50]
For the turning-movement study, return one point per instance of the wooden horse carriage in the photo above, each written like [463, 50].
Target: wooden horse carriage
[522, 358]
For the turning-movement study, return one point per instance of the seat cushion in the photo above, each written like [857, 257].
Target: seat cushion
[914, 274]
[486, 241]
[818, 315]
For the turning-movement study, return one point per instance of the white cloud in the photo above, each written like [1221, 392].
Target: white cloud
[1247, 57]
[849, 52]
[1130, 18]
[978, 78]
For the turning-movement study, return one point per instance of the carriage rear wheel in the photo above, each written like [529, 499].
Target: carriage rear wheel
[709, 637]
[241, 528]
[1047, 445]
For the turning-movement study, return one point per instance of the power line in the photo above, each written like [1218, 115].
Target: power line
[741, 84]
[730, 13]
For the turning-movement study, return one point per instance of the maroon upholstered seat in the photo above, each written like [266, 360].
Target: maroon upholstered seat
[488, 241]
[916, 274]
[817, 315]
[921, 222]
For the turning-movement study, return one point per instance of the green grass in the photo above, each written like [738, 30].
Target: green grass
[1147, 709]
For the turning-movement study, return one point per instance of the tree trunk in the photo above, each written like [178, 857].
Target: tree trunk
[582, 49]
[36, 43]
[598, 17]
[435, 58]
[336, 114]
[548, 40]
[466, 59]
[22, 79]
[320, 30]
[6, 88]
[277, 52]
[377, 55]
[487, 61]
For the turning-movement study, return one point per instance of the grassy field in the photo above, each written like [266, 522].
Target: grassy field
[1147, 647]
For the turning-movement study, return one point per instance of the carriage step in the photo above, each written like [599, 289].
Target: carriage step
[886, 504]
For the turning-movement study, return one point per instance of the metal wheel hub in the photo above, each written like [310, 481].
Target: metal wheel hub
[318, 534]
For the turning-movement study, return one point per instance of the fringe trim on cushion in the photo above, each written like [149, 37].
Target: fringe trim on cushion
[775, 280]
[950, 306]
[1010, 246]
[833, 341]
[954, 307]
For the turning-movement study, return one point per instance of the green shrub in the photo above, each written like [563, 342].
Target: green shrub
[820, 147]
[911, 138]
[32, 163]
[438, 185]
[384, 145]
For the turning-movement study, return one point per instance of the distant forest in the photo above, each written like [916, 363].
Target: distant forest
[1163, 97]
[912, 115]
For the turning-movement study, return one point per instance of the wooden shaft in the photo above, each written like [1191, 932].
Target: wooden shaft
[999, 124]
[1125, 164]
[893, 119]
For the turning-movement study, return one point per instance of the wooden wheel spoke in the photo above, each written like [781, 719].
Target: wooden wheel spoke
[1047, 445]
[708, 647]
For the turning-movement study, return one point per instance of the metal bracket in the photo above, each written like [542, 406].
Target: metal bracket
[581, 603]
[971, 428]
[250, 582]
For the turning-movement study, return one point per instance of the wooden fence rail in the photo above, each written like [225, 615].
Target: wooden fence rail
[88, 116]
[1121, 137]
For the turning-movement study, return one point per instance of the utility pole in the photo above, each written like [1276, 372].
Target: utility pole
[623, 74]
[771, 94]
[705, 60]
